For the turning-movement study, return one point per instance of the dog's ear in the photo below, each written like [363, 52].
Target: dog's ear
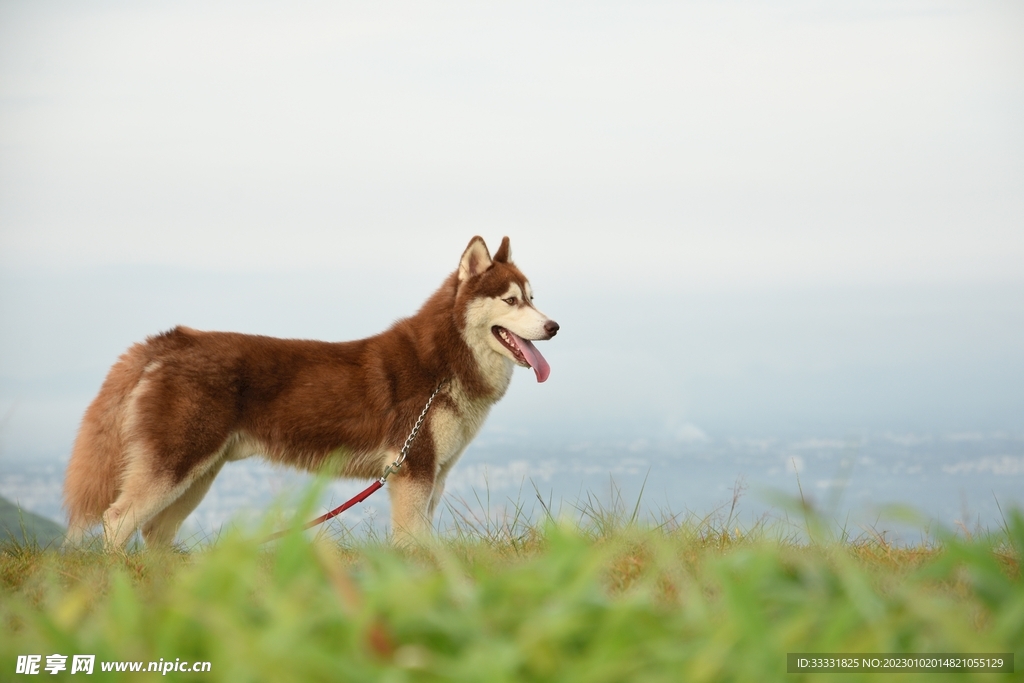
[475, 260]
[504, 253]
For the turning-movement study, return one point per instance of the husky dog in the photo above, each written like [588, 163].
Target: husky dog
[176, 407]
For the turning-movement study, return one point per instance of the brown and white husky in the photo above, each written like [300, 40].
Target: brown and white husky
[176, 407]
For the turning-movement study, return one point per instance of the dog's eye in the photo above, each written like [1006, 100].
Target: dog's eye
[511, 301]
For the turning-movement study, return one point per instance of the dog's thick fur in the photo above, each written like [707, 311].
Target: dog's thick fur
[176, 407]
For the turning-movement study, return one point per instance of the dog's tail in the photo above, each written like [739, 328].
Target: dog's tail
[93, 478]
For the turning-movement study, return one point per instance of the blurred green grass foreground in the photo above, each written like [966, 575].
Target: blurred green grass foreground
[604, 598]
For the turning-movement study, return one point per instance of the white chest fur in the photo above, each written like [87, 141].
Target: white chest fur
[452, 430]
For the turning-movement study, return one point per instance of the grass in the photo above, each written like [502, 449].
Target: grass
[606, 596]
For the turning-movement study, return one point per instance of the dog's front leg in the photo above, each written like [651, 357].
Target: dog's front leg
[410, 492]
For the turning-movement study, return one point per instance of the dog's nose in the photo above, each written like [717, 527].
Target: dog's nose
[551, 327]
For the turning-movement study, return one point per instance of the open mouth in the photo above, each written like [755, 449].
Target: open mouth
[523, 351]
[509, 341]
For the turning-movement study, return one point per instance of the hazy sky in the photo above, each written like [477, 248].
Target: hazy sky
[314, 169]
[733, 141]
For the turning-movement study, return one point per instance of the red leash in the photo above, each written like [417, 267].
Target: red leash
[365, 493]
[360, 497]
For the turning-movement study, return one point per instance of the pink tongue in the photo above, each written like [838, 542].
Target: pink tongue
[532, 355]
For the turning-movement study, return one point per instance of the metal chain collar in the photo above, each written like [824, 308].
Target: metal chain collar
[397, 464]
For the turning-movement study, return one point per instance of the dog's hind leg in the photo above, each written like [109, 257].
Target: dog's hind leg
[93, 475]
[163, 527]
[147, 491]
[140, 500]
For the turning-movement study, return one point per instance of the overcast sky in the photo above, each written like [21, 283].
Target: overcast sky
[315, 169]
[729, 141]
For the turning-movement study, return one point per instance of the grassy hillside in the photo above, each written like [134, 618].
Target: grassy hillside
[24, 527]
[599, 600]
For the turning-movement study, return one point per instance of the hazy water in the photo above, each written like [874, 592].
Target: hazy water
[951, 479]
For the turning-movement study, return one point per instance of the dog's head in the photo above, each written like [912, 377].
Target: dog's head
[498, 304]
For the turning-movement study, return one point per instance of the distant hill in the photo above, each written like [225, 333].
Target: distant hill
[22, 526]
